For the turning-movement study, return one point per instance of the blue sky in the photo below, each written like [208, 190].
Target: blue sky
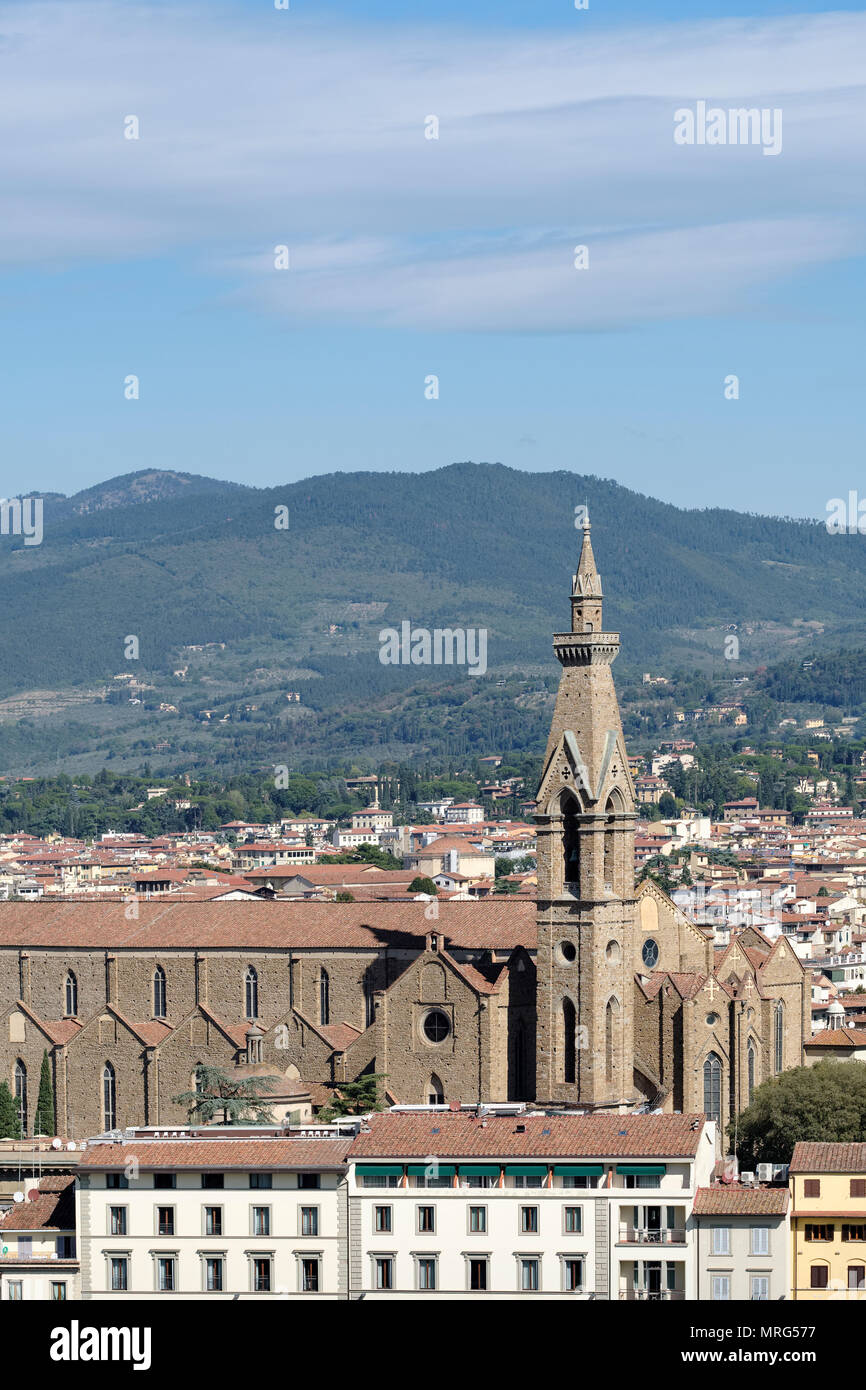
[451, 257]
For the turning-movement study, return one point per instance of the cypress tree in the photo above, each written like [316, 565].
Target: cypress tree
[9, 1126]
[43, 1122]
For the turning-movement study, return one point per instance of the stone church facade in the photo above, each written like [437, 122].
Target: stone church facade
[597, 996]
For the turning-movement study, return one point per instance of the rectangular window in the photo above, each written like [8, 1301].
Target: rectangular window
[634, 1180]
[721, 1288]
[857, 1276]
[858, 1187]
[529, 1274]
[527, 1182]
[721, 1240]
[214, 1274]
[261, 1180]
[310, 1274]
[478, 1274]
[58, 1292]
[760, 1288]
[262, 1221]
[213, 1180]
[819, 1275]
[165, 1274]
[573, 1221]
[427, 1272]
[478, 1220]
[812, 1187]
[308, 1181]
[213, 1221]
[760, 1240]
[309, 1221]
[116, 1180]
[15, 1290]
[262, 1274]
[117, 1221]
[822, 1232]
[429, 1180]
[165, 1221]
[474, 1180]
[385, 1181]
[579, 1182]
[164, 1180]
[572, 1275]
[66, 1247]
[853, 1232]
[119, 1274]
[529, 1221]
[384, 1268]
[382, 1219]
[426, 1220]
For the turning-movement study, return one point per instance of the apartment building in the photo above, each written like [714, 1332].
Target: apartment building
[828, 1221]
[37, 1243]
[742, 1243]
[211, 1213]
[469, 1204]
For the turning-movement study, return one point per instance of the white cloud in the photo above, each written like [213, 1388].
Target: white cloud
[276, 131]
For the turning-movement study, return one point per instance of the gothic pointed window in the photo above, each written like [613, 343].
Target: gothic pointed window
[713, 1087]
[21, 1094]
[159, 992]
[779, 1036]
[435, 1091]
[71, 994]
[611, 1025]
[613, 806]
[109, 1097]
[569, 1042]
[750, 1057]
[251, 992]
[324, 997]
[571, 843]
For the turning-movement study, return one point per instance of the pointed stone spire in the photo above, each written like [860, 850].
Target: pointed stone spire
[586, 591]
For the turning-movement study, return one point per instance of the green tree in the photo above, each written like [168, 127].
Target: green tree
[420, 884]
[354, 1098]
[227, 1099]
[43, 1122]
[824, 1102]
[9, 1126]
[344, 896]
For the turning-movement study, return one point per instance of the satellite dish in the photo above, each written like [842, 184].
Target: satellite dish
[70, 1146]
[17, 1196]
[57, 1143]
[33, 1194]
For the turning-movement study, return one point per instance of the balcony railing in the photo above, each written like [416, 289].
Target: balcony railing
[643, 1235]
[652, 1295]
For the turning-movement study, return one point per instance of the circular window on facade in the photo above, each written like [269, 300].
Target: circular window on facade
[712, 1019]
[650, 954]
[436, 1026]
[612, 951]
[567, 952]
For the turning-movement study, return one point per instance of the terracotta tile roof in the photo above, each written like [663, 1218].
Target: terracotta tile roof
[493, 924]
[821, 1157]
[53, 1209]
[455, 1134]
[741, 1201]
[837, 1037]
[339, 1035]
[218, 1153]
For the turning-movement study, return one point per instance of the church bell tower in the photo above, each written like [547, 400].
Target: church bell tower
[585, 813]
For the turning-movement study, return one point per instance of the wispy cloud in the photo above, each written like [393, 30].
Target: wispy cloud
[266, 131]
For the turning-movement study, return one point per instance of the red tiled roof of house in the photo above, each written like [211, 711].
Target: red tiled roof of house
[52, 1210]
[218, 1153]
[463, 1133]
[837, 1037]
[822, 1157]
[741, 1201]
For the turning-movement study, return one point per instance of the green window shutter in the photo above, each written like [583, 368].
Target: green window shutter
[638, 1170]
[579, 1170]
[379, 1170]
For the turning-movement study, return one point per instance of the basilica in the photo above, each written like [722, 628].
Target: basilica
[597, 996]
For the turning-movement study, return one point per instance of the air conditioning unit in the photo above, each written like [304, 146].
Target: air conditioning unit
[747, 1179]
[765, 1172]
[780, 1172]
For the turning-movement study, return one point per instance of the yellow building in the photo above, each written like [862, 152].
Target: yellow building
[828, 1221]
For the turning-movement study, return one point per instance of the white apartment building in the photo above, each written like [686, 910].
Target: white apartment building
[743, 1243]
[472, 1203]
[212, 1213]
[37, 1243]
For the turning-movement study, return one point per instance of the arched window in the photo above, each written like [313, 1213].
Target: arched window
[197, 1083]
[71, 994]
[159, 992]
[610, 880]
[435, 1091]
[713, 1087]
[324, 997]
[251, 992]
[109, 1097]
[21, 1094]
[750, 1056]
[779, 1036]
[569, 1050]
[571, 843]
[611, 1022]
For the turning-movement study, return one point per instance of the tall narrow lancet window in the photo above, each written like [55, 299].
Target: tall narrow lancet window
[750, 1057]
[611, 1028]
[71, 995]
[159, 992]
[713, 1088]
[779, 1036]
[571, 842]
[109, 1097]
[251, 992]
[569, 1041]
[324, 997]
[21, 1094]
